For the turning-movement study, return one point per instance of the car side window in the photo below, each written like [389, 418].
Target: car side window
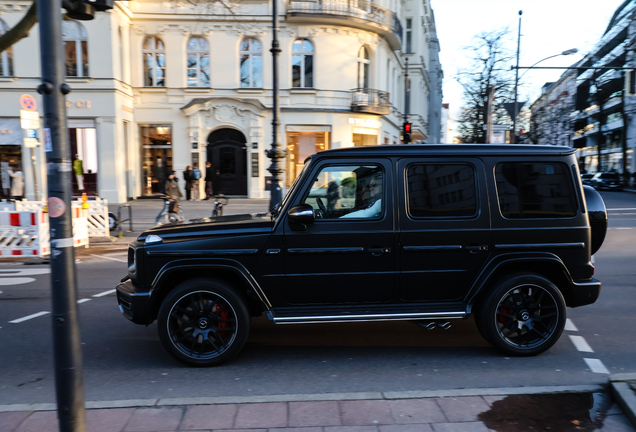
[441, 191]
[528, 190]
[347, 192]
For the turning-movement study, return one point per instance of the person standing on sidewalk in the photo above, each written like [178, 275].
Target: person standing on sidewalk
[17, 182]
[209, 192]
[78, 167]
[187, 176]
[196, 176]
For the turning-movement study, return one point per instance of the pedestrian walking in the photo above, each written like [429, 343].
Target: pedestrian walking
[209, 174]
[78, 167]
[187, 177]
[17, 182]
[172, 186]
[196, 177]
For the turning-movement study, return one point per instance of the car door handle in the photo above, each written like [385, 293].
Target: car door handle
[476, 248]
[377, 251]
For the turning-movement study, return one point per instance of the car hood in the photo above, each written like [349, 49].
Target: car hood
[205, 227]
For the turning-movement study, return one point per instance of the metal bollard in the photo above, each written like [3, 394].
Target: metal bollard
[120, 232]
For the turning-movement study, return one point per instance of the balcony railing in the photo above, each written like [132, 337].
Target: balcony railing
[370, 101]
[364, 10]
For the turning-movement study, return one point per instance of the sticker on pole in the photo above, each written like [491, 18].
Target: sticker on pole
[48, 144]
[28, 102]
[56, 207]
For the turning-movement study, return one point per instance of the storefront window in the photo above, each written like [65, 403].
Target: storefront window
[299, 146]
[360, 140]
[83, 140]
[156, 150]
[10, 161]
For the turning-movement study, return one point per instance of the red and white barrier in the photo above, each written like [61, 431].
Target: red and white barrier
[24, 233]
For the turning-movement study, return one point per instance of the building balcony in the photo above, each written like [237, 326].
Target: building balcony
[362, 14]
[370, 101]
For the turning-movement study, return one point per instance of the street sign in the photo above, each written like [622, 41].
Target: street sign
[29, 119]
[28, 102]
[32, 133]
[31, 142]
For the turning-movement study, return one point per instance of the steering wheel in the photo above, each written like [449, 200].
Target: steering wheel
[322, 207]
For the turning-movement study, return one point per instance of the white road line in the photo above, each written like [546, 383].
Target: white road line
[105, 293]
[596, 366]
[80, 301]
[24, 272]
[623, 228]
[593, 260]
[580, 344]
[16, 281]
[621, 209]
[569, 325]
[110, 258]
[35, 315]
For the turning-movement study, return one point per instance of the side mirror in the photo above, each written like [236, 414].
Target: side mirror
[301, 214]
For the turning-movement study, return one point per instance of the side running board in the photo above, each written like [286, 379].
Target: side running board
[363, 317]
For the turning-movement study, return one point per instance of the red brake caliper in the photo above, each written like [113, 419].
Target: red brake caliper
[503, 319]
[223, 324]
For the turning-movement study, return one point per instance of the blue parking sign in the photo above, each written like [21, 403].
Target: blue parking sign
[31, 133]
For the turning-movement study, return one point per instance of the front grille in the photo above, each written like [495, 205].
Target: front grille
[125, 303]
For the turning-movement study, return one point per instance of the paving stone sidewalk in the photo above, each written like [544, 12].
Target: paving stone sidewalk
[562, 412]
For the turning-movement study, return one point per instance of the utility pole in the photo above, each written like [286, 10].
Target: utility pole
[407, 93]
[513, 139]
[276, 154]
[66, 337]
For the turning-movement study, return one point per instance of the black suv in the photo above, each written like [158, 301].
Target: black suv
[425, 233]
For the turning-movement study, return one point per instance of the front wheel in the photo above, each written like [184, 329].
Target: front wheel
[203, 322]
[523, 315]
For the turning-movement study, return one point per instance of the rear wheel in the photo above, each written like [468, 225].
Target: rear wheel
[203, 322]
[523, 315]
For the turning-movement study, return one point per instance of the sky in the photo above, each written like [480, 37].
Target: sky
[548, 27]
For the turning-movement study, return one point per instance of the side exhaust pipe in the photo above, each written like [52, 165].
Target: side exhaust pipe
[431, 325]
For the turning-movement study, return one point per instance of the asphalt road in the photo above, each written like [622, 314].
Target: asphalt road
[126, 361]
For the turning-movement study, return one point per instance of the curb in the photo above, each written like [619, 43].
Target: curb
[136, 403]
[624, 395]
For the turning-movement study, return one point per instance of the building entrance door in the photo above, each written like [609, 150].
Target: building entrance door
[227, 154]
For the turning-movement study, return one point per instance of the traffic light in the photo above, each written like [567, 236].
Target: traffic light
[84, 10]
[406, 133]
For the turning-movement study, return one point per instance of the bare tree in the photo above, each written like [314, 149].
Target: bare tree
[490, 57]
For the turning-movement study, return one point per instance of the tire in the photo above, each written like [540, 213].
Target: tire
[523, 315]
[190, 319]
[112, 221]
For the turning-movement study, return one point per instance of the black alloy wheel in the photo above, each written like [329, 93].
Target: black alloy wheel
[523, 315]
[203, 322]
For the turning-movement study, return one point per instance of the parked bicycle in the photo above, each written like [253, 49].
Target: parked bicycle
[170, 212]
[219, 201]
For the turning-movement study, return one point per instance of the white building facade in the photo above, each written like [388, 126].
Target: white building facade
[159, 86]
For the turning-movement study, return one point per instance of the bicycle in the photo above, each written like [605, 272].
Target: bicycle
[171, 211]
[219, 201]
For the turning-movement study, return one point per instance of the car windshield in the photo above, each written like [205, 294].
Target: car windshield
[276, 210]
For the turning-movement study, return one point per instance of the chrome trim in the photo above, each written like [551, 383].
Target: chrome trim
[217, 252]
[440, 248]
[320, 251]
[580, 245]
[370, 317]
[587, 284]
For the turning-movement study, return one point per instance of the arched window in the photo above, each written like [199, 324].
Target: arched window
[198, 62]
[363, 68]
[251, 63]
[154, 62]
[75, 49]
[302, 63]
[6, 56]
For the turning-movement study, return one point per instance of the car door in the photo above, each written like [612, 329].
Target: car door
[444, 229]
[348, 253]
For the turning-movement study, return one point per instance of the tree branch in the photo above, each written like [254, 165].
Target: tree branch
[21, 29]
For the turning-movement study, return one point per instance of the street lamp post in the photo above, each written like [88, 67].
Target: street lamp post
[517, 78]
[276, 154]
[514, 120]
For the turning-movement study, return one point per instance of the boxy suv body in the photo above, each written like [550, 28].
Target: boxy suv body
[425, 233]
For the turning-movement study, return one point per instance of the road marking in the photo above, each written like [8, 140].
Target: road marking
[84, 300]
[621, 209]
[593, 260]
[110, 258]
[35, 315]
[596, 366]
[24, 272]
[580, 344]
[623, 228]
[105, 293]
[569, 325]
[16, 281]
